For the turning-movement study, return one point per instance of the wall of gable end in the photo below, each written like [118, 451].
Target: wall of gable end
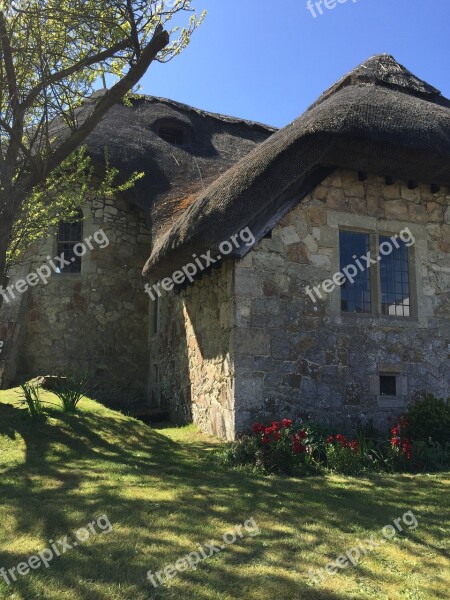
[96, 320]
[299, 358]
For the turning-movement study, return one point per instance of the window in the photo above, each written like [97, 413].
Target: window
[394, 270]
[356, 296]
[172, 134]
[388, 385]
[70, 233]
[377, 274]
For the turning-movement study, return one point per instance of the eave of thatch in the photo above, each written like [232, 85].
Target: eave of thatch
[379, 118]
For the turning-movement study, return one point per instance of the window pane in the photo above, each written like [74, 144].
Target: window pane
[394, 272]
[70, 234]
[356, 296]
[388, 385]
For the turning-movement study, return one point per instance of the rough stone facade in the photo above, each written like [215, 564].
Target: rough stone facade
[247, 343]
[95, 320]
[192, 353]
[295, 357]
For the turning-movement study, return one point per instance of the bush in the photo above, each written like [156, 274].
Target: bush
[70, 391]
[352, 457]
[240, 453]
[285, 447]
[431, 456]
[31, 396]
[281, 447]
[428, 419]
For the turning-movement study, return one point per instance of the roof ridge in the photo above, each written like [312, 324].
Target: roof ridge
[385, 71]
[205, 113]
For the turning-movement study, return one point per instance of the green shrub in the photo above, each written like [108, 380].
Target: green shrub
[70, 391]
[240, 453]
[31, 396]
[344, 460]
[431, 456]
[282, 447]
[429, 419]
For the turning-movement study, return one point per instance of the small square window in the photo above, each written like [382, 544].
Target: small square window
[388, 385]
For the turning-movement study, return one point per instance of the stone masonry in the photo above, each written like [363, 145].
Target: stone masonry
[193, 352]
[295, 357]
[247, 343]
[96, 320]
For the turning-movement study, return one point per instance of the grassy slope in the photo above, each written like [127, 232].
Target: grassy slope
[163, 492]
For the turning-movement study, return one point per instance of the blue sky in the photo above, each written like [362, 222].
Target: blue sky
[267, 60]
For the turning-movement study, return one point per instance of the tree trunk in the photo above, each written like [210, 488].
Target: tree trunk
[8, 203]
[5, 233]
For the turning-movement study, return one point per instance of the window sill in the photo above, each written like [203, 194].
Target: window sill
[364, 318]
[391, 401]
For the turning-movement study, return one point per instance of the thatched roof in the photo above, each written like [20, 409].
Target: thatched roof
[379, 118]
[174, 174]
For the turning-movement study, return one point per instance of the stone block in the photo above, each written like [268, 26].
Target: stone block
[289, 235]
[253, 341]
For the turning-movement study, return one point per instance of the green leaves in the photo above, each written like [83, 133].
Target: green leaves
[53, 54]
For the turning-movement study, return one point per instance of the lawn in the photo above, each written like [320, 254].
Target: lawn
[163, 491]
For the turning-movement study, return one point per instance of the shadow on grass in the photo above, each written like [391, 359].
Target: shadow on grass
[162, 497]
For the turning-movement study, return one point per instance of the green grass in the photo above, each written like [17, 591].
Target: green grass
[164, 492]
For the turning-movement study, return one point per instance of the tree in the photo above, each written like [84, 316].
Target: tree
[52, 54]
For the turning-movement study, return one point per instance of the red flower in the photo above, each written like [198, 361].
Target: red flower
[301, 435]
[354, 446]
[257, 428]
[330, 439]
[287, 423]
[298, 447]
[395, 441]
[406, 448]
[276, 425]
[265, 439]
[268, 430]
[276, 436]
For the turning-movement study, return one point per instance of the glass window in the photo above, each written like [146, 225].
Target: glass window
[356, 296]
[388, 385]
[394, 275]
[70, 233]
[380, 286]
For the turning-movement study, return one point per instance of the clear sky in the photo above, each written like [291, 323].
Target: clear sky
[267, 60]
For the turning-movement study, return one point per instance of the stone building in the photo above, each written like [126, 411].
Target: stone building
[331, 297]
[93, 316]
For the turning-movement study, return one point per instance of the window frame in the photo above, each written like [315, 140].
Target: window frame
[79, 220]
[375, 275]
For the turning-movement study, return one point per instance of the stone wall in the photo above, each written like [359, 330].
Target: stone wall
[191, 358]
[295, 357]
[95, 320]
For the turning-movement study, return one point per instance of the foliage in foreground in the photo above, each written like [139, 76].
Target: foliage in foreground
[30, 393]
[417, 442]
[70, 391]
